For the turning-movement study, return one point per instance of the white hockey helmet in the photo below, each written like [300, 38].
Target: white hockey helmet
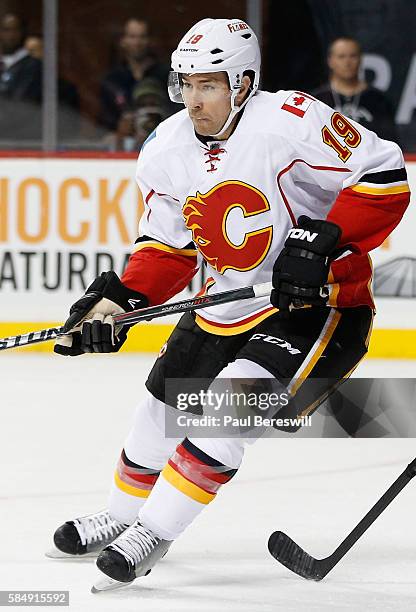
[217, 45]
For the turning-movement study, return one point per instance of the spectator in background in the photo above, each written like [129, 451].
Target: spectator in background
[67, 92]
[137, 63]
[20, 73]
[20, 82]
[34, 45]
[148, 108]
[151, 107]
[350, 95]
[21, 87]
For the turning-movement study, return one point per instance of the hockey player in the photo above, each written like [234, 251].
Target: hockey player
[260, 187]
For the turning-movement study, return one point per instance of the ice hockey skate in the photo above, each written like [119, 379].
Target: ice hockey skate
[132, 555]
[85, 536]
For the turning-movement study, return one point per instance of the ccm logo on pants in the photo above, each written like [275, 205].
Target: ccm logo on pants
[278, 341]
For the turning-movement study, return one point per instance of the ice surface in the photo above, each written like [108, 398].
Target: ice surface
[63, 422]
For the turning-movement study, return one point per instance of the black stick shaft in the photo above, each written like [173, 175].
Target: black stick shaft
[146, 314]
[373, 513]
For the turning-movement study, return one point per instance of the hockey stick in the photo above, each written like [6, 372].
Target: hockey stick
[146, 314]
[290, 554]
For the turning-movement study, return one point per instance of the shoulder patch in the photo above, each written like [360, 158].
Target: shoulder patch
[298, 103]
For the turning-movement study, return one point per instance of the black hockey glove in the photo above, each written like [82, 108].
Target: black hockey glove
[90, 323]
[300, 273]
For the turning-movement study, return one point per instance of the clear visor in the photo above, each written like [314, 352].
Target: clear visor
[174, 87]
[183, 90]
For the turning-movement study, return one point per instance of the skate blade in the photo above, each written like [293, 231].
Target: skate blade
[55, 553]
[107, 584]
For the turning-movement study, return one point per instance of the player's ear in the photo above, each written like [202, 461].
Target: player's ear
[245, 86]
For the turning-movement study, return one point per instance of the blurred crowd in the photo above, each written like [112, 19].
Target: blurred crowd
[133, 95]
[21, 82]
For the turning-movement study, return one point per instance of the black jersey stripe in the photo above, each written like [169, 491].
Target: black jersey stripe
[130, 463]
[190, 245]
[385, 176]
[144, 239]
[199, 454]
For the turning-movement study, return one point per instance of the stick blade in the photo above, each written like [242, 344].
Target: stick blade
[292, 556]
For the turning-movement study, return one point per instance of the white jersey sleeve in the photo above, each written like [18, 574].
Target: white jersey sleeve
[162, 219]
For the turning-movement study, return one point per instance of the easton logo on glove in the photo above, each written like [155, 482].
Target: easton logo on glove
[136, 303]
[90, 326]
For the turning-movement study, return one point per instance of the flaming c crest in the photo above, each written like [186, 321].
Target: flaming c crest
[206, 215]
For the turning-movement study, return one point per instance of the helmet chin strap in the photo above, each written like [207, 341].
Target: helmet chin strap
[233, 112]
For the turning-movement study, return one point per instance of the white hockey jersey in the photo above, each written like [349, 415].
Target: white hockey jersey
[231, 203]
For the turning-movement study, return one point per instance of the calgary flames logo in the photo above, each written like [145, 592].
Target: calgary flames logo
[206, 216]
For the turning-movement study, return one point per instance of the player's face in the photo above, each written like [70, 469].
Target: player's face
[344, 59]
[207, 98]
